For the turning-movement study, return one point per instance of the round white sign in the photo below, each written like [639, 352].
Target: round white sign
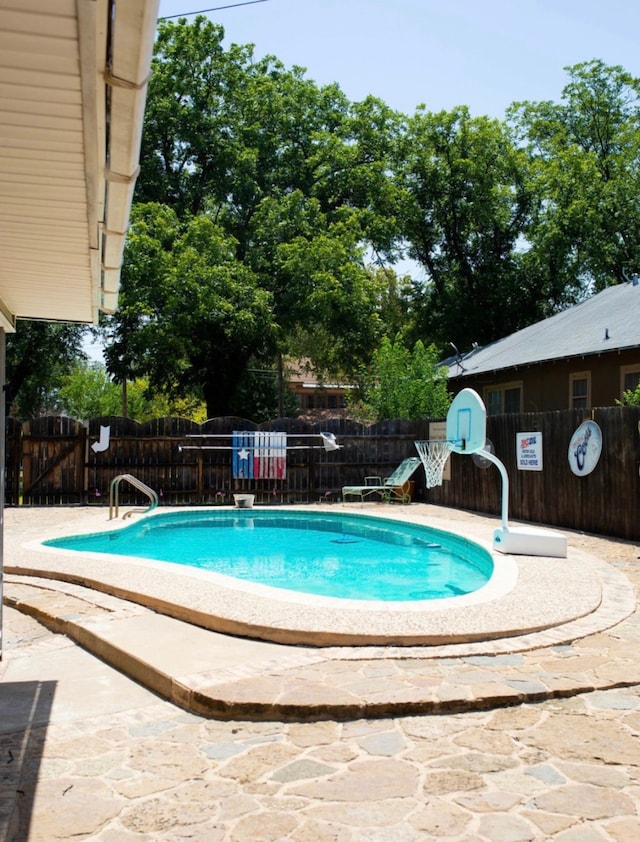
[480, 460]
[585, 448]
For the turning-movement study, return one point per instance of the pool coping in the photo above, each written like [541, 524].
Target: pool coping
[558, 599]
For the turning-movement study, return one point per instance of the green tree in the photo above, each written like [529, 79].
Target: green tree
[386, 310]
[320, 286]
[223, 131]
[402, 383]
[39, 354]
[191, 315]
[293, 177]
[88, 392]
[465, 203]
[395, 303]
[585, 168]
[147, 259]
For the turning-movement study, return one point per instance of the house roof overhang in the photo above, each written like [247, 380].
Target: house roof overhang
[73, 78]
[606, 323]
[457, 371]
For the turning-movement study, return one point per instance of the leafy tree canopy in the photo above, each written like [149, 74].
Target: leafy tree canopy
[191, 315]
[88, 392]
[260, 196]
[585, 155]
[224, 131]
[403, 383]
[39, 354]
[631, 397]
[465, 204]
[263, 198]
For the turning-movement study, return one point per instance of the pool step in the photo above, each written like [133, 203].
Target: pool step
[228, 677]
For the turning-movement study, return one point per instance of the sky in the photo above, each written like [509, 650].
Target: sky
[485, 54]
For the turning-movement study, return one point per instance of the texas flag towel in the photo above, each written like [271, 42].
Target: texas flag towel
[258, 455]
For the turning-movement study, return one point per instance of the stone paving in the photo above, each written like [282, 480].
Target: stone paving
[533, 744]
[566, 769]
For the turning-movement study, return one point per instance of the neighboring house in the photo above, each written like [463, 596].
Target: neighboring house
[313, 394]
[583, 357]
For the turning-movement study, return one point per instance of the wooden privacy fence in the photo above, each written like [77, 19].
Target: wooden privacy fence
[59, 464]
[605, 502]
[51, 461]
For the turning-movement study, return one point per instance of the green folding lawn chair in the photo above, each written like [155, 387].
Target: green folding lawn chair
[394, 487]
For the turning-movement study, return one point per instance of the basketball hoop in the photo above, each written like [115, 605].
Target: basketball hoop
[434, 454]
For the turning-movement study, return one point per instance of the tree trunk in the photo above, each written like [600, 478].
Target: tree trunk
[280, 387]
[221, 385]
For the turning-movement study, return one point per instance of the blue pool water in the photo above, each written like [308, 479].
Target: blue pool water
[342, 555]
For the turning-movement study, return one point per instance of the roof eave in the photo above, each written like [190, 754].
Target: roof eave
[120, 81]
[530, 364]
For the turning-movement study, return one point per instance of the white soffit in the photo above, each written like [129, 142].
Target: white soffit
[73, 77]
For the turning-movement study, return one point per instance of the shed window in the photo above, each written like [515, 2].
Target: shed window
[580, 390]
[630, 378]
[505, 398]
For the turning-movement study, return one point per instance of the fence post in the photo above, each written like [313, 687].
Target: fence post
[200, 478]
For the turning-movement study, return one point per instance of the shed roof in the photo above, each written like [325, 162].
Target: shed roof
[73, 77]
[607, 321]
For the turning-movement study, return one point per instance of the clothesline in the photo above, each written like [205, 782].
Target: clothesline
[328, 440]
[260, 455]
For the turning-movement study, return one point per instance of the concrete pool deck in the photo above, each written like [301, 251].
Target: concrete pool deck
[532, 642]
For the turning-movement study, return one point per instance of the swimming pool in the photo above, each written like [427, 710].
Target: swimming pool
[345, 556]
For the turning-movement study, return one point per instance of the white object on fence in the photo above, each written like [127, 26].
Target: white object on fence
[103, 442]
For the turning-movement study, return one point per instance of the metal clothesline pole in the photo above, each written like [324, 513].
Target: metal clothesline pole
[329, 442]
[255, 432]
[260, 447]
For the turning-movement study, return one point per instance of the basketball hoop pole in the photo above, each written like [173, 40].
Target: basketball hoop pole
[505, 486]
[462, 445]
[466, 432]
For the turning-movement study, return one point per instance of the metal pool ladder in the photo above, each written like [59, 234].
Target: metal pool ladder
[136, 483]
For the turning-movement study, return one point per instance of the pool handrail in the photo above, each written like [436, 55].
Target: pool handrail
[136, 483]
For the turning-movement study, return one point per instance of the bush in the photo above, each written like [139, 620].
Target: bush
[402, 384]
[631, 397]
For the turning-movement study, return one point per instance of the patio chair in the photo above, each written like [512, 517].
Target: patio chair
[394, 487]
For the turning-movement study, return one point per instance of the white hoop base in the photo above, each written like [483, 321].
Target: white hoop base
[433, 454]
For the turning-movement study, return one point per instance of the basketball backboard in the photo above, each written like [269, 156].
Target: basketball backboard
[467, 422]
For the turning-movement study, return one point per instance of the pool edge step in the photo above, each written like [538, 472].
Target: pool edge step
[265, 695]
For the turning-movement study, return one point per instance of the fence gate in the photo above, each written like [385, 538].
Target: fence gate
[53, 461]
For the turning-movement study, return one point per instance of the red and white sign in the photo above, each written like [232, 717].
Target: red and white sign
[529, 451]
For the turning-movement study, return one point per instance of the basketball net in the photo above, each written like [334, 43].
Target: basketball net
[434, 455]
